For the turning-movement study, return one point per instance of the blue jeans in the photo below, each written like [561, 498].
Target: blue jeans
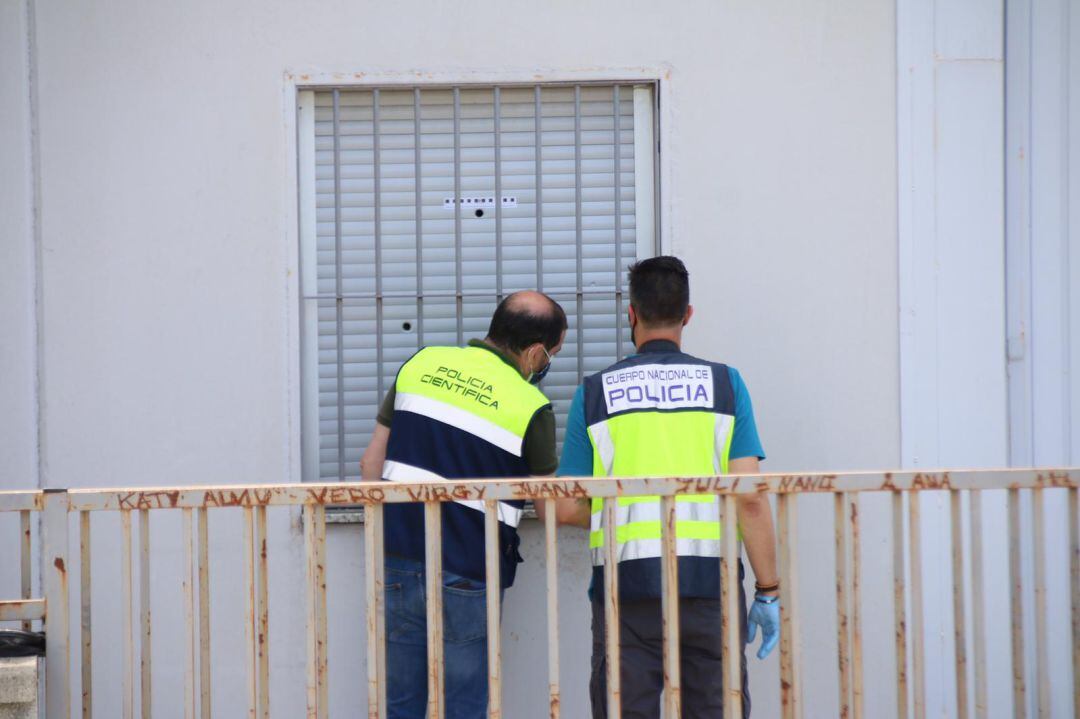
[464, 643]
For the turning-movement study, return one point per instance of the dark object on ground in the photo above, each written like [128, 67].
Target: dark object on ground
[15, 643]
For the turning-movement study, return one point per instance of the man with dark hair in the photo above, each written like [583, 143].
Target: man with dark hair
[454, 413]
[663, 412]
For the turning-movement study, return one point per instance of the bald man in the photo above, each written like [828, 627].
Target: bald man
[456, 413]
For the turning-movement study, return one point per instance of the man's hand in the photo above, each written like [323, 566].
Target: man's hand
[759, 540]
[371, 463]
[575, 512]
[766, 613]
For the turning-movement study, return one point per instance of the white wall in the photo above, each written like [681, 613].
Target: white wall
[169, 313]
[18, 340]
[18, 348]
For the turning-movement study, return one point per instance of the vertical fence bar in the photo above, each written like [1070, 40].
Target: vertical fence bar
[339, 307]
[250, 660]
[314, 542]
[731, 616]
[918, 666]
[128, 680]
[54, 581]
[959, 621]
[1042, 659]
[497, 112]
[669, 604]
[1074, 573]
[144, 614]
[311, 627]
[899, 605]
[433, 574]
[204, 614]
[790, 659]
[375, 584]
[25, 557]
[491, 577]
[380, 618]
[85, 615]
[842, 636]
[611, 610]
[856, 612]
[551, 539]
[978, 615]
[320, 587]
[419, 216]
[458, 287]
[1017, 607]
[188, 588]
[263, 607]
[617, 185]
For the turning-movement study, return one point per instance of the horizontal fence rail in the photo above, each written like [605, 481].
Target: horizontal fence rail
[63, 552]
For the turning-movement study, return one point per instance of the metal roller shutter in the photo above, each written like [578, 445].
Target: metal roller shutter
[422, 208]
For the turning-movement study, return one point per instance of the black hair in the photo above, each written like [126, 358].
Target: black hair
[660, 290]
[515, 326]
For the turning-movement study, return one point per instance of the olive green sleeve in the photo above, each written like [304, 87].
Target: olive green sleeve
[539, 449]
[386, 409]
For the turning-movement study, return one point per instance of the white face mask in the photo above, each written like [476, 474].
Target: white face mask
[536, 377]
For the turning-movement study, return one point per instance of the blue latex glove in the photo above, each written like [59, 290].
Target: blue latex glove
[768, 616]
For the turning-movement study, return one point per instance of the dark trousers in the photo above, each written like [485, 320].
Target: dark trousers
[641, 659]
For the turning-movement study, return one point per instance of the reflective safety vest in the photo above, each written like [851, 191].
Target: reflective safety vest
[459, 413]
[660, 413]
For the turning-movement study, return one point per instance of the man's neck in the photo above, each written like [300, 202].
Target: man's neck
[670, 334]
[510, 358]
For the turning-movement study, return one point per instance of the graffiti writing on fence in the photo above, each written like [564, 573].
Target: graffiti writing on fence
[922, 480]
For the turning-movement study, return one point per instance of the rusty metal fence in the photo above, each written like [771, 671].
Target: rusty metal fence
[58, 550]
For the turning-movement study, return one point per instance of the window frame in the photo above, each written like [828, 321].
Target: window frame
[300, 89]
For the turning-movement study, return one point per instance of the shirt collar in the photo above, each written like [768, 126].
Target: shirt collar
[658, 346]
[498, 353]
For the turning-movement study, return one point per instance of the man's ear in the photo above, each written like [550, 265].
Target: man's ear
[631, 315]
[535, 353]
[689, 314]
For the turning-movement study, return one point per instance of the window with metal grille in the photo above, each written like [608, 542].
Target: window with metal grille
[421, 208]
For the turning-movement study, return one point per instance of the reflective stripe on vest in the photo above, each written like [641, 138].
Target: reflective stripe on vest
[672, 437]
[401, 472]
[438, 410]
